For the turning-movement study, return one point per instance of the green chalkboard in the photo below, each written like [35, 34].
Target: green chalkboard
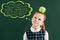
[14, 28]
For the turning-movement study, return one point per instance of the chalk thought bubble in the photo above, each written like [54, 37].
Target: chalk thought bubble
[17, 9]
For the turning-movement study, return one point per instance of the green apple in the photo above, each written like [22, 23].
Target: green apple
[42, 9]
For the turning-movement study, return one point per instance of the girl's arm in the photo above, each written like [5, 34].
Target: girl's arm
[46, 35]
[25, 36]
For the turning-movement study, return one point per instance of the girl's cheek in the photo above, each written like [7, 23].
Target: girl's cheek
[33, 19]
[40, 22]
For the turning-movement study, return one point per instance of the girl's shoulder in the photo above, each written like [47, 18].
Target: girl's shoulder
[46, 32]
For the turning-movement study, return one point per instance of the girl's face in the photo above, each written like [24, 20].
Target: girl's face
[37, 19]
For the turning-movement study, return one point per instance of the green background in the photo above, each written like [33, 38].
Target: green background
[13, 29]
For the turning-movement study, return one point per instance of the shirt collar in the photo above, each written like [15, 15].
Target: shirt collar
[35, 30]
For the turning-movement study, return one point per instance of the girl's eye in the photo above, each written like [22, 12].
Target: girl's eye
[35, 17]
[39, 19]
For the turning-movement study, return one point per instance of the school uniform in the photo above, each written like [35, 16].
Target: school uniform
[38, 34]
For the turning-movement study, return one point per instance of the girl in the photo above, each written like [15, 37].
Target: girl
[37, 30]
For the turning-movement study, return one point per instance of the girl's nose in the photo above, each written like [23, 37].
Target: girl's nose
[36, 20]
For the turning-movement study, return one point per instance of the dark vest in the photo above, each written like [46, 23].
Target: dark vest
[35, 35]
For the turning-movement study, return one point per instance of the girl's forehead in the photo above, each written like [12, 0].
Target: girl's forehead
[38, 15]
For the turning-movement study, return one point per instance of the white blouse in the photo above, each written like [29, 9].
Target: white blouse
[37, 30]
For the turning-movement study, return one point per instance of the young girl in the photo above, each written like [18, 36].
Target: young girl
[37, 30]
